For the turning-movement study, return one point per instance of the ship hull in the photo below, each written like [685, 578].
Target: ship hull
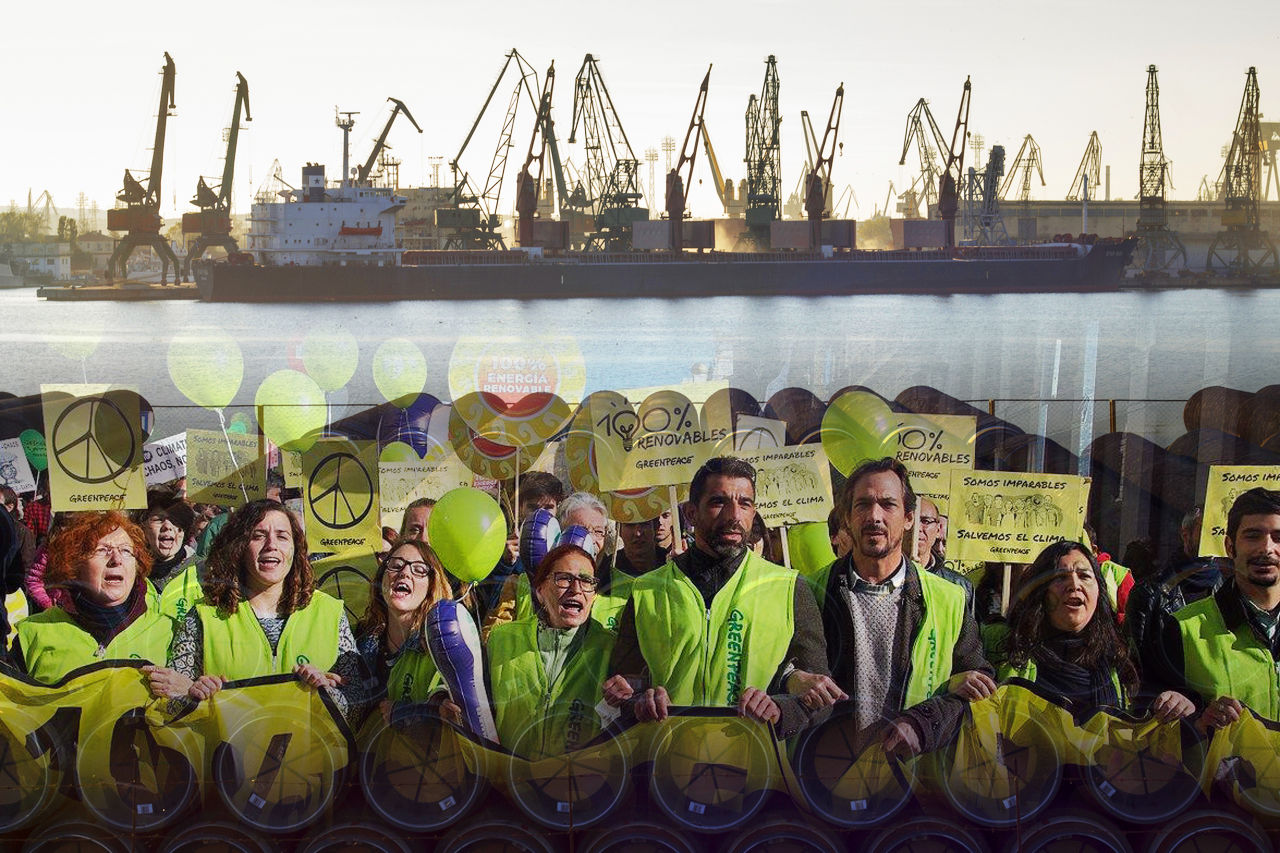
[510, 275]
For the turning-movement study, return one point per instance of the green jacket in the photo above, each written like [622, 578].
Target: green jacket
[1222, 659]
[235, 646]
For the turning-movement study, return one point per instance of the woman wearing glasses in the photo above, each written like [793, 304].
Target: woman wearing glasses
[106, 610]
[262, 615]
[546, 671]
[408, 583]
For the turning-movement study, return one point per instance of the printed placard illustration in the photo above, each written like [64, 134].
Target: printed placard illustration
[401, 483]
[1009, 517]
[1226, 483]
[224, 468]
[15, 470]
[793, 484]
[662, 443]
[94, 447]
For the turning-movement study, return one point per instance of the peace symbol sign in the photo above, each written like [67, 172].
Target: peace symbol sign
[98, 429]
[331, 506]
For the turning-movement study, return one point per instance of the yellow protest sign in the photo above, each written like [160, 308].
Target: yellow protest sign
[932, 446]
[341, 496]
[94, 447]
[291, 468]
[793, 484]
[1226, 483]
[667, 444]
[401, 483]
[224, 469]
[1010, 517]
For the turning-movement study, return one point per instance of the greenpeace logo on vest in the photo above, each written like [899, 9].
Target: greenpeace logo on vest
[573, 728]
[733, 645]
[182, 609]
[406, 685]
[302, 659]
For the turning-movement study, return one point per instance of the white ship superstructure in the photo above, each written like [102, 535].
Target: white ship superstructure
[319, 225]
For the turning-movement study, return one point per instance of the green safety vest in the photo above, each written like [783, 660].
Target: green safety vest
[936, 636]
[235, 646]
[1029, 670]
[537, 719]
[53, 644]
[605, 609]
[1221, 662]
[181, 593]
[710, 656]
[1113, 574]
[413, 677]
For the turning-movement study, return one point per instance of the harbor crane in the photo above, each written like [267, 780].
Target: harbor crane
[1028, 159]
[983, 222]
[1088, 173]
[528, 184]
[472, 216]
[923, 130]
[1159, 247]
[612, 170]
[733, 206]
[140, 217]
[817, 190]
[681, 175]
[212, 224]
[764, 157]
[953, 170]
[1243, 248]
[362, 176]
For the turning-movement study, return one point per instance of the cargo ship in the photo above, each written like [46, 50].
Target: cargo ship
[337, 244]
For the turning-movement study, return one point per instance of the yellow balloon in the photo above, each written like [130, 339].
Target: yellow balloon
[207, 367]
[858, 426]
[292, 409]
[330, 355]
[398, 451]
[400, 371]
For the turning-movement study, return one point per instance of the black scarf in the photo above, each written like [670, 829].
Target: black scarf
[102, 621]
[709, 573]
[1058, 672]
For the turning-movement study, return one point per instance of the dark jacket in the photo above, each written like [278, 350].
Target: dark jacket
[937, 719]
[1154, 601]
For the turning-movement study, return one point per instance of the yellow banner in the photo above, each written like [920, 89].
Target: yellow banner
[1226, 483]
[1009, 517]
[663, 444]
[932, 446]
[401, 483]
[94, 447]
[341, 496]
[793, 484]
[224, 469]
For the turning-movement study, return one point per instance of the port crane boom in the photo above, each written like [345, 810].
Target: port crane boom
[817, 191]
[140, 217]
[527, 184]
[1028, 158]
[1159, 246]
[681, 175]
[212, 224]
[953, 169]
[923, 130]
[367, 168]
[1089, 172]
[1243, 248]
[764, 157]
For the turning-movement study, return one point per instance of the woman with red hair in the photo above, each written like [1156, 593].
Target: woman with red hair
[107, 609]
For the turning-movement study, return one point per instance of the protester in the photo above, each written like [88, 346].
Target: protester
[166, 523]
[417, 514]
[1223, 651]
[262, 615]
[676, 633]
[841, 544]
[1063, 636]
[929, 533]
[895, 635]
[547, 671]
[538, 490]
[108, 610]
[640, 550]
[409, 581]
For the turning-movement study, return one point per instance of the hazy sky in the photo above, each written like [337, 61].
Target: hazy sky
[82, 83]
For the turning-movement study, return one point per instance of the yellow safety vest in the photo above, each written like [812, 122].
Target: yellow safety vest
[235, 646]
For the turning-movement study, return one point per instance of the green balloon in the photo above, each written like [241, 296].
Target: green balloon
[858, 426]
[468, 532]
[809, 546]
[400, 371]
[399, 451]
[292, 409]
[206, 367]
[239, 424]
[33, 447]
[330, 356]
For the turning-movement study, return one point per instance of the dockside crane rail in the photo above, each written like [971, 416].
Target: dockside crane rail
[1243, 248]
[923, 130]
[681, 175]
[212, 224]
[817, 191]
[363, 175]
[613, 170]
[764, 156]
[140, 218]
[1028, 159]
[1088, 173]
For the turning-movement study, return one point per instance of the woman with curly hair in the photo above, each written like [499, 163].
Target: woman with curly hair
[409, 581]
[106, 610]
[262, 615]
[1063, 636]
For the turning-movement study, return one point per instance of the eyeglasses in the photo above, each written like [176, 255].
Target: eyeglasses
[564, 580]
[396, 565]
[929, 521]
[104, 552]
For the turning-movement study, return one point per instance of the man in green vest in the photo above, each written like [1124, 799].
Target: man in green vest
[718, 625]
[1223, 651]
[895, 635]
